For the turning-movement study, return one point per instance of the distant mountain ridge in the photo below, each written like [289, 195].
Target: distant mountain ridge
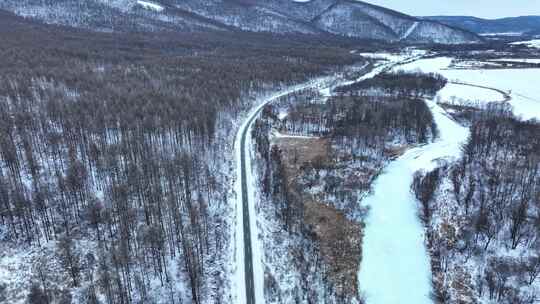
[527, 25]
[355, 19]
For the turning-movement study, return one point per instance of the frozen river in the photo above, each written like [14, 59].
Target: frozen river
[395, 267]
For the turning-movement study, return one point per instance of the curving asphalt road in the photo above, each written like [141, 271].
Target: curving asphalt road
[248, 258]
[244, 158]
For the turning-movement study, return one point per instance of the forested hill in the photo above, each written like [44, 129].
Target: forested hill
[115, 153]
[527, 25]
[348, 18]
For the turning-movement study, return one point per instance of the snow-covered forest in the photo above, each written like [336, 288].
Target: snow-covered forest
[264, 151]
[482, 212]
[115, 166]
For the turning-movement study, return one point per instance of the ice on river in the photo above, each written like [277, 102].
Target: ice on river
[395, 268]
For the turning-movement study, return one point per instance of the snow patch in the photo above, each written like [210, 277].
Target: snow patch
[520, 60]
[150, 5]
[277, 134]
[409, 31]
[531, 43]
[502, 34]
[459, 94]
[384, 56]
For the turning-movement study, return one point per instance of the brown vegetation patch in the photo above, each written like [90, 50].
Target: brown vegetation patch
[340, 242]
[298, 152]
[339, 238]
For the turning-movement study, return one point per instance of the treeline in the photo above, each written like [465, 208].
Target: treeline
[114, 149]
[401, 84]
[379, 121]
[494, 218]
[366, 120]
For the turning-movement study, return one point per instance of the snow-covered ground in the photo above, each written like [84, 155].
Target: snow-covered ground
[532, 43]
[502, 34]
[395, 267]
[150, 5]
[521, 84]
[394, 57]
[523, 60]
[280, 135]
[464, 95]
[429, 65]
[382, 56]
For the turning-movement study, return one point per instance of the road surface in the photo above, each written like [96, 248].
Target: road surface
[248, 260]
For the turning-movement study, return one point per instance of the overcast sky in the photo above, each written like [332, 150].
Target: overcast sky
[477, 8]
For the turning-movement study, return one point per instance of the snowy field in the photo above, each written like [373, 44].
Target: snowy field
[520, 60]
[521, 84]
[393, 58]
[502, 34]
[384, 56]
[531, 43]
[463, 95]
